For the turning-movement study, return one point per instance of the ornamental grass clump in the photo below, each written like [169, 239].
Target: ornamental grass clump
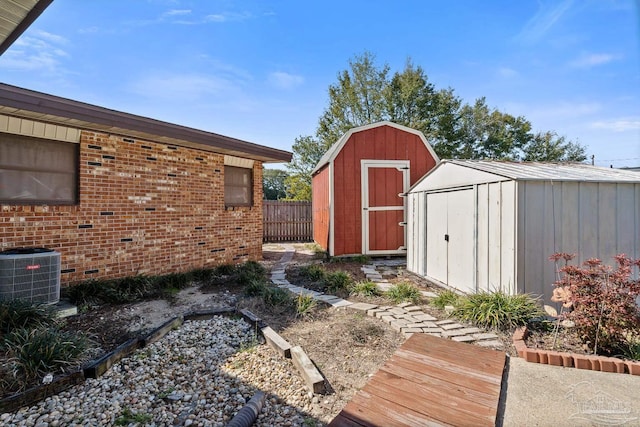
[445, 298]
[365, 288]
[403, 292]
[601, 300]
[338, 281]
[497, 310]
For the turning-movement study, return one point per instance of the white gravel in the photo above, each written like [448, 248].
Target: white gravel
[198, 375]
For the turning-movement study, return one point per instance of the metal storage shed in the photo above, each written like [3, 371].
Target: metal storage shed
[489, 225]
[359, 188]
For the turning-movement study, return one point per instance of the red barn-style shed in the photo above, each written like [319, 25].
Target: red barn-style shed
[359, 187]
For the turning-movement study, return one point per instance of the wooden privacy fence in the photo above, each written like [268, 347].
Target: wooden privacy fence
[286, 221]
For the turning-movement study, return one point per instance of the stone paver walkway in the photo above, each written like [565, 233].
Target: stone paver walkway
[406, 317]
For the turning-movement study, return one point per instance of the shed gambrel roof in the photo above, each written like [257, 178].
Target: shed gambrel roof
[333, 151]
[28, 104]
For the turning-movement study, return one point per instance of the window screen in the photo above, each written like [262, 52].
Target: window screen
[238, 186]
[36, 170]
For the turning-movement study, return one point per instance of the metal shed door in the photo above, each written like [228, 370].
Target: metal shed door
[384, 184]
[450, 238]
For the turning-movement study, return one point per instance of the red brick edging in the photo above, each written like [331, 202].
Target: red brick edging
[568, 360]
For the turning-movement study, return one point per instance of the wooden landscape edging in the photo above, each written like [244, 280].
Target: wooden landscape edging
[568, 360]
[97, 368]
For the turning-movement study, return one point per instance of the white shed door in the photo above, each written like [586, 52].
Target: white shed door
[450, 238]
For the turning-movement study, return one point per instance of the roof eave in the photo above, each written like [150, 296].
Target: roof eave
[31, 16]
[91, 117]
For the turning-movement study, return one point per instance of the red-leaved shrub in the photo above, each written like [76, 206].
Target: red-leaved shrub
[601, 301]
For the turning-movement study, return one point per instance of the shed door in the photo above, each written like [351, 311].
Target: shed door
[450, 238]
[384, 184]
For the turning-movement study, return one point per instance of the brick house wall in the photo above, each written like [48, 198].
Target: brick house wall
[144, 208]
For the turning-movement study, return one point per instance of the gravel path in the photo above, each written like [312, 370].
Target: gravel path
[198, 375]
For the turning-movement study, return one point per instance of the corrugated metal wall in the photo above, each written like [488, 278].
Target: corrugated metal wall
[592, 220]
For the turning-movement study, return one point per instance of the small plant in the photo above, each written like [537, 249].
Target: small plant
[403, 292]
[255, 288]
[601, 301]
[445, 298]
[365, 288]
[127, 417]
[497, 310]
[313, 272]
[305, 303]
[166, 392]
[249, 271]
[276, 297]
[16, 314]
[35, 352]
[633, 349]
[338, 281]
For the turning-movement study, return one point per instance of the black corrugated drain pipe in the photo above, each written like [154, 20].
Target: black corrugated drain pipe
[249, 412]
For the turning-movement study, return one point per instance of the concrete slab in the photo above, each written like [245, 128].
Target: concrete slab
[341, 303]
[450, 326]
[544, 395]
[453, 333]
[485, 336]
[492, 344]
[424, 317]
[463, 338]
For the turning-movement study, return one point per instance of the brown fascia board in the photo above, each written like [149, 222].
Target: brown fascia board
[28, 100]
[32, 15]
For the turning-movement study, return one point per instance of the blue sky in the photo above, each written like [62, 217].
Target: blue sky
[259, 70]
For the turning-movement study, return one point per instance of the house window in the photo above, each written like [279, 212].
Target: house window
[238, 186]
[37, 171]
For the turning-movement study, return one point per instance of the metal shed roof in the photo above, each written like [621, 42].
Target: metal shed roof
[15, 18]
[534, 171]
[24, 103]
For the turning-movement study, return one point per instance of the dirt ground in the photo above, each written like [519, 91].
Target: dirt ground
[348, 347]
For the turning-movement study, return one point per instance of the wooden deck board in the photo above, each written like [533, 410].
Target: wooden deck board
[430, 381]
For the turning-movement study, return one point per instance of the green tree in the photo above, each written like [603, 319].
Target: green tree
[365, 94]
[273, 184]
[549, 147]
[356, 99]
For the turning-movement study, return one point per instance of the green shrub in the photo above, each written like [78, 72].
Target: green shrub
[249, 271]
[403, 292]
[276, 297]
[365, 288]
[255, 288]
[305, 303]
[313, 272]
[338, 281]
[633, 349]
[497, 310]
[34, 352]
[444, 298]
[225, 270]
[16, 314]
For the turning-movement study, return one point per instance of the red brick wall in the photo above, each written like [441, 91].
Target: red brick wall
[145, 208]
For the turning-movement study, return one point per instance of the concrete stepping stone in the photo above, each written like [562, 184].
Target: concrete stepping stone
[326, 298]
[450, 326]
[485, 336]
[280, 282]
[341, 303]
[492, 343]
[428, 294]
[437, 331]
[398, 310]
[444, 322]
[453, 333]
[425, 317]
[372, 312]
[363, 306]
[379, 314]
[412, 330]
[387, 318]
[471, 330]
[422, 325]
[413, 308]
[278, 276]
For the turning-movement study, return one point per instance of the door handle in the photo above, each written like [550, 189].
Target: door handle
[446, 237]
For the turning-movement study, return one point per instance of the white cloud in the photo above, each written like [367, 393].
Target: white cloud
[507, 72]
[284, 80]
[546, 17]
[177, 12]
[39, 50]
[227, 17]
[617, 125]
[593, 59]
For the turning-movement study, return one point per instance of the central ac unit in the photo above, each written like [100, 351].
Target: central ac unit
[30, 274]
